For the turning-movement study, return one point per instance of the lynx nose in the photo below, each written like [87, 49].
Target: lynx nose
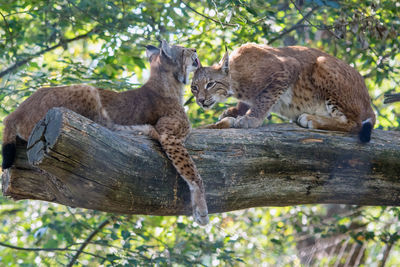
[201, 100]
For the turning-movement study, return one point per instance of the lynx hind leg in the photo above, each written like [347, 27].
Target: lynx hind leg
[333, 120]
[326, 123]
[171, 139]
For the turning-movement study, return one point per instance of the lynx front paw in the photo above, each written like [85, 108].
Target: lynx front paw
[199, 205]
[305, 121]
[225, 123]
[230, 112]
[247, 122]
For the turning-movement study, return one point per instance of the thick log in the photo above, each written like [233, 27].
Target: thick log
[79, 163]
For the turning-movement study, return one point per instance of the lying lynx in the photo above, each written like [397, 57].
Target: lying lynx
[156, 110]
[302, 84]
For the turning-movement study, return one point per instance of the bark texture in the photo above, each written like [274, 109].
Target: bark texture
[73, 161]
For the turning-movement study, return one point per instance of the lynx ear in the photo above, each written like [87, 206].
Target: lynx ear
[151, 51]
[166, 49]
[225, 63]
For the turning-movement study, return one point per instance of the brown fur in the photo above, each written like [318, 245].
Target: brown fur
[303, 84]
[154, 109]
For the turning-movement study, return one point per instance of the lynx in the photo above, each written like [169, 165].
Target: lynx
[302, 84]
[155, 109]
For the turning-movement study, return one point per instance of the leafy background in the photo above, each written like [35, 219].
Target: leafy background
[46, 43]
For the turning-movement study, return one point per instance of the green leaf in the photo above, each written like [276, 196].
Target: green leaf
[52, 243]
[333, 4]
[125, 234]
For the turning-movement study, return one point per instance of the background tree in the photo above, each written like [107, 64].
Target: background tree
[101, 42]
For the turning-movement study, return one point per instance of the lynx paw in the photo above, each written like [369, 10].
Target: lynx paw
[304, 121]
[230, 112]
[227, 122]
[247, 122]
[199, 205]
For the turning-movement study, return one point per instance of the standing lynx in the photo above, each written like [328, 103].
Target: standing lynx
[302, 84]
[155, 109]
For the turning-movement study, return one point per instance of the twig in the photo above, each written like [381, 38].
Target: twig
[379, 63]
[87, 241]
[67, 248]
[29, 58]
[93, 18]
[389, 244]
[35, 249]
[391, 98]
[386, 254]
[379, 113]
[294, 27]
[324, 27]
[78, 221]
[207, 17]
[7, 26]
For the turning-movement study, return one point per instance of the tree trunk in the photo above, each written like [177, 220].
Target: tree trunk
[79, 163]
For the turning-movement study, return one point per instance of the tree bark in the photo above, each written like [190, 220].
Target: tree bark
[79, 163]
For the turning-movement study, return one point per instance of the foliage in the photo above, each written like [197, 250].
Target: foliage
[102, 42]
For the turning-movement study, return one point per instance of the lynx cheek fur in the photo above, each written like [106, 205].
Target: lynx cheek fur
[154, 109]
[302, 84]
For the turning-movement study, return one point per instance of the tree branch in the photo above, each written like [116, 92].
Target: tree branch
[63, 42]
[295, 26]
[391, 98]
[34, 249]
[207, 17]
[87, 241]
[81, 164]
[324, 27]
[51, 249]
[7, 27]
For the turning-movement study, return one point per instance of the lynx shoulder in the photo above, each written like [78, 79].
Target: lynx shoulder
[302, 84]
[154, 109]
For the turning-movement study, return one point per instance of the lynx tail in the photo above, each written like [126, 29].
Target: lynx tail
[8, 152]
[9, 146]
[365, 132]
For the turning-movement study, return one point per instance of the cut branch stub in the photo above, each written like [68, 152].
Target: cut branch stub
[79, 163]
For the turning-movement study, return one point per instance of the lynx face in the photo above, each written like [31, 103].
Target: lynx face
[211, 85]
[181, 60]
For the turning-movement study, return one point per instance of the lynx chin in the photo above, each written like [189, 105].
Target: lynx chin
[302, 84]
[155, 109]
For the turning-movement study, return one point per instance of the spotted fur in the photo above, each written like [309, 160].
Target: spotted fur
[302, 84]
[155, 109]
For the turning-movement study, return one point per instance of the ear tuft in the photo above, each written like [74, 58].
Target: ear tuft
[225, 63]
[151, 51]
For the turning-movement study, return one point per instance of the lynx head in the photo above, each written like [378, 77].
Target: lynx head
[173, 58]
[212, 84]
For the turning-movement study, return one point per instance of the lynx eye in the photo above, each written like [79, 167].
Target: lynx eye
[209, 85]
[194, 89]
